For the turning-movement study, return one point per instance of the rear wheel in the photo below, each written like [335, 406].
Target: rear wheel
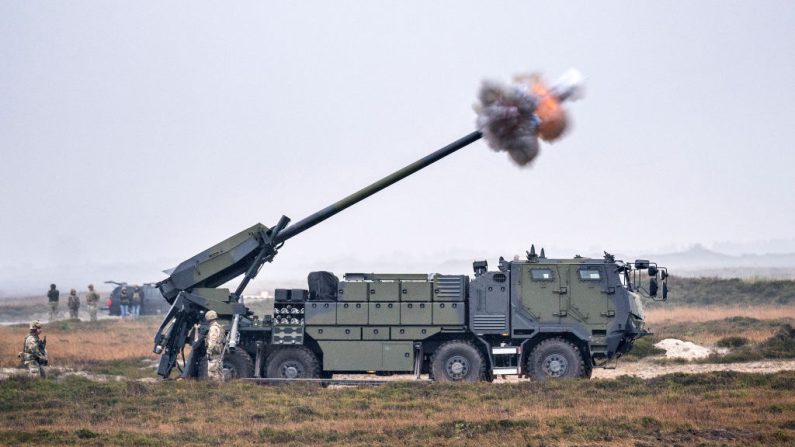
[457, 361]
[556, 358]
[239, 364]
[292, 363]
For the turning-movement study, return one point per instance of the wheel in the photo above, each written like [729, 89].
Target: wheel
[239, 364]
[457, 361]
[556, 358]
[292, 363]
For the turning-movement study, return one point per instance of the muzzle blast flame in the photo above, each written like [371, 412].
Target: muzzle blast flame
[513, 117]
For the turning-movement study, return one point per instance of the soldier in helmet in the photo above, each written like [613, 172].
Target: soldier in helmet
[35, 352]
[91, 300]
[74, 304]
[215, 347]
[52, 297]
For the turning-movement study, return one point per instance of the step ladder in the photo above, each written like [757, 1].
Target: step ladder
[502, 356]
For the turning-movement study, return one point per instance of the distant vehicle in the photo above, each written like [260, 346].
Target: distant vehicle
[153, 301]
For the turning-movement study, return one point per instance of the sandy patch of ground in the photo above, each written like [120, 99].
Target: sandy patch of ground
[678, 349]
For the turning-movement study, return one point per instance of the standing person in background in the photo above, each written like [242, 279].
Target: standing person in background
[137, 299]
[92, 298]
[124, 302]
[52, 296]
[74, 304]
[34, 354]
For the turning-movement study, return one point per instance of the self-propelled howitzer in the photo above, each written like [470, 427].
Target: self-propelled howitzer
[540, 317]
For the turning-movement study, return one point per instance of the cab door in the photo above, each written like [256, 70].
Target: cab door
[541, 291]
[589, 300]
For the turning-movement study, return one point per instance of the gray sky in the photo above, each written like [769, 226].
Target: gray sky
[133, 134]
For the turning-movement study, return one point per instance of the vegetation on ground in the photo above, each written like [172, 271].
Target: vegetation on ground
[729, 292]
[711, 409]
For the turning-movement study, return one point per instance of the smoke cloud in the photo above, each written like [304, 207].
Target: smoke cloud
[506, 116]
[513, 117]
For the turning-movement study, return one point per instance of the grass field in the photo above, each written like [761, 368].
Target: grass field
[712, 409]
[723, 408]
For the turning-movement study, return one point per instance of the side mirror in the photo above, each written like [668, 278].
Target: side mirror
[653, 287]
[652, 270]
[665, 291]
[641, 264]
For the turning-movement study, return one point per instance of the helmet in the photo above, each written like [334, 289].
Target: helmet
[72, 292]
[211, 315]
[52, 286]
[35, 325]
[91, 287]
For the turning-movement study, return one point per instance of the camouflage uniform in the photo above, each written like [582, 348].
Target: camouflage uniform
[215, 348]
[74, 304]
[34, 354]
[52, 296]
[91, 301]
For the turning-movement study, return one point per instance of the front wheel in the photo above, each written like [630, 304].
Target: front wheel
[293, 363]
[556, 358]
[457, 361]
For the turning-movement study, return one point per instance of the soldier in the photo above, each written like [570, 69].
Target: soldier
[35, 352]
[137, 299]
[52, 296]
[74, 304]
[91, 300]
[124, 302]
[215, 347]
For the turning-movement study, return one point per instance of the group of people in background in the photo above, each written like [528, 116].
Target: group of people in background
[130, 301]
[73, 303]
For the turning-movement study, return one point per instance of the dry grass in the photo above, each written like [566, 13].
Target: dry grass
[710, 409]
[707, 313]
[81, 344]
[706, 325]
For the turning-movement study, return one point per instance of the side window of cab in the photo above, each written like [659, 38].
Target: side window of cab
[542, 274]
[590, 274]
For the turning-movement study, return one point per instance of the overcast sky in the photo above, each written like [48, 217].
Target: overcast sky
[139, 133]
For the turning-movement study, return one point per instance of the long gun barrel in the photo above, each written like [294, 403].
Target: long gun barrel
[325, 213]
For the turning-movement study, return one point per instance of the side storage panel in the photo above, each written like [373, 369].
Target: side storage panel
[352, 291]
[375, 333]
[415, 291]
[334, 332]
[398, 356]
[384, 313]
[384, 291]
[415, 313]
[413, 333]
[449, 313]
[352, 313]
[367, 355]
[321, 312]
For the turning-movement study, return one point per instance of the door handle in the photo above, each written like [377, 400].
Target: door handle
[562, 291]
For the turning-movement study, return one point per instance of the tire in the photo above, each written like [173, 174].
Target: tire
[457, 361]
[556, 358]
[239, 364]
[292, 363]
